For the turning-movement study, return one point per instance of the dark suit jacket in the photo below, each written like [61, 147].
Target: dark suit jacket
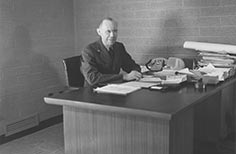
[101, 66]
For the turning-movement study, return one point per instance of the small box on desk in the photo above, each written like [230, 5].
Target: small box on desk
[206, 79]
[174, 79]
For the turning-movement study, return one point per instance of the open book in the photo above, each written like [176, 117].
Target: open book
[117, 89]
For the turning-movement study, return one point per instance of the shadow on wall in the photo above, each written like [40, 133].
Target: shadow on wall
[170, 39]
[27, 77]
[176, 32]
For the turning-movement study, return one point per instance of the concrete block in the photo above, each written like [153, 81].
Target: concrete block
[201, 3]
[218, 11]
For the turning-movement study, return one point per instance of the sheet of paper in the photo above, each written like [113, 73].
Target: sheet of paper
[143, 68]
[166, 82]
[117, 89]
[185, 71]
[139, 84]
[207, 69]
[210, 70]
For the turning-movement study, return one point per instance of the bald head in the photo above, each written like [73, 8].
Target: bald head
[107, 30]
[108, 19]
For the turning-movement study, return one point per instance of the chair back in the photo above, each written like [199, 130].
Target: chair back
[74, 77]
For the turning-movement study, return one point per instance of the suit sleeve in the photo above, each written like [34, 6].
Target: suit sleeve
[128, 63]
[91, 73]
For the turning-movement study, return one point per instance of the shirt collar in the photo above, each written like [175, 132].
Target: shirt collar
[103, 46]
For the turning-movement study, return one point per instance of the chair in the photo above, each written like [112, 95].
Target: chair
[74, 77]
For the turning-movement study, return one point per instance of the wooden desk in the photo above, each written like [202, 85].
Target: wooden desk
[143, 122]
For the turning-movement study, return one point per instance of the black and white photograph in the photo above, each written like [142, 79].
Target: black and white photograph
[118, 77]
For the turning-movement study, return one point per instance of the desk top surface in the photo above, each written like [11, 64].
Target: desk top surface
[163, 103]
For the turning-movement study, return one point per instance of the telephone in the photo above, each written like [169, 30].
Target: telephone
[157, 64]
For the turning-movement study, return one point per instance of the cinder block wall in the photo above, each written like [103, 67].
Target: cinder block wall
[151, 28]
[34, 37]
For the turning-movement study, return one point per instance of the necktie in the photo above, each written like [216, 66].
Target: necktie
[111, 53]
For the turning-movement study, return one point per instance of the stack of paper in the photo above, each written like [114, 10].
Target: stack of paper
[220, 73]
[222, 55]
[216, 59]
[139, 84]
[117, 89]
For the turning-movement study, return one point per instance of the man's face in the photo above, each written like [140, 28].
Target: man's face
[108, 32]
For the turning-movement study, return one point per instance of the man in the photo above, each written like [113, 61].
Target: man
[103, 59]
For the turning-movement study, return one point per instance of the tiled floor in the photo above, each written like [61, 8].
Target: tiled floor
[50, 141]
[46, 141]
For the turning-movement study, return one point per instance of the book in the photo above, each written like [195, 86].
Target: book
[116, 89]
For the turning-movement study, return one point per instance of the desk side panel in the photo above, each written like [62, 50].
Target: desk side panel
[96, 132]
[181, 133]
[70, 139]
[207, 119]
[228, 115]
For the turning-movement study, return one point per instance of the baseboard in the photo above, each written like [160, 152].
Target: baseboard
[42, 125]
[1, 127]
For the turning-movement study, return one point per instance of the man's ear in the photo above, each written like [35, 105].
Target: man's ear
[98, 31]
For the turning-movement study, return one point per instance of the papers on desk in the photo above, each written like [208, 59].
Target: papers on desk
[216, 61]
[165, 72]
[211, 71]
[150, 79]
[186, 71]
[174, 79]
[129, 87]
[117, 89]
[167, 76]
[220, 55]
[140, 84]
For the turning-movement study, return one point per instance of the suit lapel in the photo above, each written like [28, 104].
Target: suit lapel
[104, 55]
[116, 54]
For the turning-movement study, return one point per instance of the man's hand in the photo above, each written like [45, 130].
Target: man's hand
[133, 75]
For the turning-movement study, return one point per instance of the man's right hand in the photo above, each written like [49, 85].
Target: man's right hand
[133, 75]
